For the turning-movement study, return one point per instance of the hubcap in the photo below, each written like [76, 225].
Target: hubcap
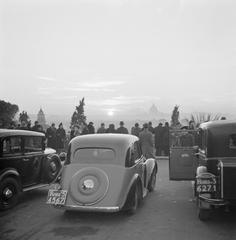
[88, 184]
[7, 193]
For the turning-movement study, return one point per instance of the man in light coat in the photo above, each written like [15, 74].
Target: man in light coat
[146, 142]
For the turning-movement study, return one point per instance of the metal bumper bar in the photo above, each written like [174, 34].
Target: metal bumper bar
[213, 201]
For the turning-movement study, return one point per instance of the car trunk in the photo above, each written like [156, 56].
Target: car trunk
[118, 183]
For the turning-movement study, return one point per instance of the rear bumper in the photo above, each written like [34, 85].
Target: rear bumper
[88, 208]
[212, 201]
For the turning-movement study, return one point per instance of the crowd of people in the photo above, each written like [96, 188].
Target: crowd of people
[153, 140]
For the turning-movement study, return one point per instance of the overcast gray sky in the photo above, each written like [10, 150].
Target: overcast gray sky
[118, 54]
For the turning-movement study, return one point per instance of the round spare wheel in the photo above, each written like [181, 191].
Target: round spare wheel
[89, 186]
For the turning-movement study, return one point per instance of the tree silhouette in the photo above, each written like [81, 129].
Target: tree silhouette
[7, 113]
[78, 115]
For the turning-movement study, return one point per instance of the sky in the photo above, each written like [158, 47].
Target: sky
[121, 55]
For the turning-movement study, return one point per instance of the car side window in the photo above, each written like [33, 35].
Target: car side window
[12, 145]
[135, 152]
[33, 144]
[232, 141]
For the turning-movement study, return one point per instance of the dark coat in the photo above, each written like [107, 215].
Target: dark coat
[61, 137]
[51, 137]
[123, 130]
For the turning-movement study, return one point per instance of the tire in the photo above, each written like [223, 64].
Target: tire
[9, 193]
[152, 181]
[52, 168]
[135, 198]
[204, 214]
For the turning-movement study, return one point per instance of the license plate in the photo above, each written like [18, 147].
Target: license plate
[56, 197]
[205, 185]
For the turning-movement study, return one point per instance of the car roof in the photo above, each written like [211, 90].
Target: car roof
[109, 140]
[14, 132]
[118, 142]
[218, 123]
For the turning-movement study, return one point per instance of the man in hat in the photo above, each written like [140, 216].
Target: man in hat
[122, 129]
[91, 129]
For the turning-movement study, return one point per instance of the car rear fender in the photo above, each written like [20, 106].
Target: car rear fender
[10, 172]
[135, 180]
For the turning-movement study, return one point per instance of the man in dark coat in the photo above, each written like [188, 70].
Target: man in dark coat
[166, 139]
[102, 129]
[36, 127]
[111, 128]
[136, 130]
[122, 129]
[91, 128]
[51, 136]
[158, 131]
[61, 137]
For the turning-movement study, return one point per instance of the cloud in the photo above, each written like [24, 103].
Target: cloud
[124, 100]
[102, 84]
[46, 78]
[84, 89]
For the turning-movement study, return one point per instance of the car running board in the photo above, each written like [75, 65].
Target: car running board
[34, 187]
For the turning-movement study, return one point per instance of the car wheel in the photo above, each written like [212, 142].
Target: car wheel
[204, 214]
[152, 182]
[135, 200]
[9, 193]
[52, 167]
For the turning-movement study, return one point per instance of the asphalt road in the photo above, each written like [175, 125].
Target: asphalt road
[169, 213]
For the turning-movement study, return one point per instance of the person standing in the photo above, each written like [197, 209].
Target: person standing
[60, 137]
[36, 127]
[122, 129]
[166, 139]
[111, 128]
[146, 142]
[91, 129]
[102, 128]
[51, 136]
[136, 130]
[150, 127]
[83, 128]
[158, 131]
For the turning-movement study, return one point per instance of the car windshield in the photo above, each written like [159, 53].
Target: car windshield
[94, 155]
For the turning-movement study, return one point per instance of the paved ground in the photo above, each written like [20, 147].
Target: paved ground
[169, 213]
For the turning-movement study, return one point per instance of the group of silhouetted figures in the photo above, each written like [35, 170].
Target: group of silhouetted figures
[150, 138]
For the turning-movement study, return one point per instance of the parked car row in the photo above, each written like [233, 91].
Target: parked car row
[107, 172]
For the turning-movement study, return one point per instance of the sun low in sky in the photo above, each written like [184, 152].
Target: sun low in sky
[118, 54]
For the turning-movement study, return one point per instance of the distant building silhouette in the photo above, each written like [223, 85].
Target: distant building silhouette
[153, 112]
[41, 119]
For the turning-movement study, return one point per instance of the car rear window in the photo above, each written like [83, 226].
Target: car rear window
[94, 155]
[33, 144]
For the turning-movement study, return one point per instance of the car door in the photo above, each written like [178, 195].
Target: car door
[32, 161]
[183, 161]
[12, 153]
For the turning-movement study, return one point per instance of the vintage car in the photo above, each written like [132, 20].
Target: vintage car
[211, 165]
[104, 172]
[25, 164]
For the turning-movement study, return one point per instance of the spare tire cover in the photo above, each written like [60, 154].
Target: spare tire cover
[89, 186]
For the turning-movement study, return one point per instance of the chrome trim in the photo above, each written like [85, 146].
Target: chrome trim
[216, 202]
[89, 208]
[221, 179]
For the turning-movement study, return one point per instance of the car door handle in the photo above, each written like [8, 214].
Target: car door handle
[25, 159]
